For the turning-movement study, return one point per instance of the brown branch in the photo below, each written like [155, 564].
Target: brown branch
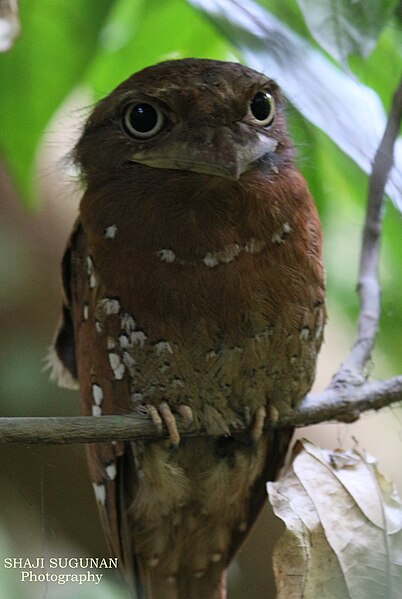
[341, 405]
[353, 371]
[344, 404]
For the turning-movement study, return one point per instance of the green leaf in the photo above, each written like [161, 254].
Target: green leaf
[388, 51]
[140, 33]
[56, 44]
[343, 27]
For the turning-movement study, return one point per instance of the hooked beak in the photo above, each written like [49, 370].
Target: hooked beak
[220, 153]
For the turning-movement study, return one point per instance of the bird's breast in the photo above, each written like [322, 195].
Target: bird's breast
[216, 298]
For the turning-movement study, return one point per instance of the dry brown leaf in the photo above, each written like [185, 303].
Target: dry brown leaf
[343, 537]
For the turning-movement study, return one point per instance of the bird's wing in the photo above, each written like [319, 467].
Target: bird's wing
[61, 358]
[78, 355]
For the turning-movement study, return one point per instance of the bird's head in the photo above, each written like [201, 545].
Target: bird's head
[204, 116]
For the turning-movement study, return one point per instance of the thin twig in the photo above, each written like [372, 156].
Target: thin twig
[332, 404]
[353, 371]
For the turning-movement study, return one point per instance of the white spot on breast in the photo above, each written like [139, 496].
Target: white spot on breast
[232, 251]
[304, 334]
[253, 246]
[111, 344]
[85, 311]
[111, 471]
[211, 260]
[100, 493]
[110, 306]
[127, 323]
[110, 232]
[129, 363]
[117, 366]
[91, 272]
[97, 394]
[277, 238]
[280, 236]
[163, 347]
[124, 342]
[229, 253]
[250, 246]
[138, 338]
[223, 256]
[166, 255]
[96, 411]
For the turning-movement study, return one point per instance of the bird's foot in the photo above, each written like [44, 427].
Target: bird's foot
[163, 415]
[258, 425]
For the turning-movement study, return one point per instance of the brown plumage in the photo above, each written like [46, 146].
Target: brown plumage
[194, 289]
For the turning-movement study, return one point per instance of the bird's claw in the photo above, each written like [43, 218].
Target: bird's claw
[164, 415]
[259, 421]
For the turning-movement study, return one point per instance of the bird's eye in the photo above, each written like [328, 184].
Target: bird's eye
[262, 108]
[142, 120]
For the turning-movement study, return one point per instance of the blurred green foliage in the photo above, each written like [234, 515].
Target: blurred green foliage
[140, 33]
[58, 41]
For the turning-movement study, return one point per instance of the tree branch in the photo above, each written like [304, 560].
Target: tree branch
[354, 371]
[341, 405]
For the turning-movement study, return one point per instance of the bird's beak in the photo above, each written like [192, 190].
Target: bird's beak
[222, 154]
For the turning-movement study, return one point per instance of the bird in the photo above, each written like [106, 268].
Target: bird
[194, 294]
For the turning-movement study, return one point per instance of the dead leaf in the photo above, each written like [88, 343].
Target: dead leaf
[343, 537]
